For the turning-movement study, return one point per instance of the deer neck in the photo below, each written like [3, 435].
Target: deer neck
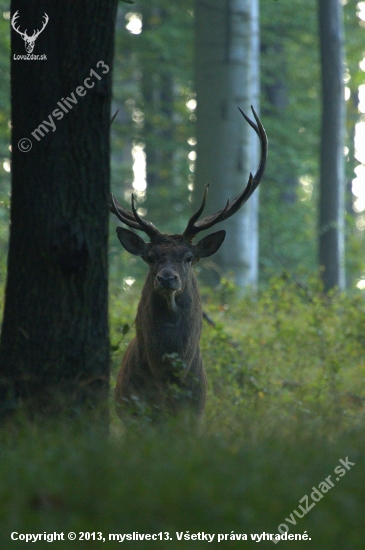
[171, 302]
[171, 308]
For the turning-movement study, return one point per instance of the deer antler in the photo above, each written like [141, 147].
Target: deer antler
[37, 33]
[194, 226]
[133, 220]
[13, 22]
[24, 34]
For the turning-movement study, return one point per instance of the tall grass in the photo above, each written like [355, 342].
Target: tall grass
[286, 402]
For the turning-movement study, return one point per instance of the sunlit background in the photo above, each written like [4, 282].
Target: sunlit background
[134, 25]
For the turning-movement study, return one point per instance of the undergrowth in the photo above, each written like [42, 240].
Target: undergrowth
[285, 405]
[288, 351]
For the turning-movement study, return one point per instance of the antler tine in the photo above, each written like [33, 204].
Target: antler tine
[146, 226]
[260, 131]
[131, 220]
[46, 19]
[209, 221]
[253, 182]
[264, 146]
[14, 20]
[251, 123]
[15, 17]
[230, 208]
[198, 213]
[217, 217]
[122, 213]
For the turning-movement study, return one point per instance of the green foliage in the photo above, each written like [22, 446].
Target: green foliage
[178, 481]
[290, 74]
[285, 367]
[4, 132]
[5, 82]
[286, 372]
[160, 59]
[290, 81]
[152, 83]
[290, 352]
[179, 395]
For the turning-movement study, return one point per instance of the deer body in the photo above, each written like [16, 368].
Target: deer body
[160, 330]
[162, 370]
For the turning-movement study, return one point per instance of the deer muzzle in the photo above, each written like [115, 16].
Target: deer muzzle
[167, 281]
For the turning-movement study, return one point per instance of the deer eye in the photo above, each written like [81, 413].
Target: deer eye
[189, 259]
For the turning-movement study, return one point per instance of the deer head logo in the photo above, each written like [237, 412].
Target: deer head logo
[29, 40]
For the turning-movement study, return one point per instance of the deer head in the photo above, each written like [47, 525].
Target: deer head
[170, 257]
[29, 40]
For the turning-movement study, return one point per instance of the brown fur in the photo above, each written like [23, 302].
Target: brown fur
[149, 382]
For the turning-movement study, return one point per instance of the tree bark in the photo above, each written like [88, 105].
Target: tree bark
[332, 174]
[227, 77]
[54, 349]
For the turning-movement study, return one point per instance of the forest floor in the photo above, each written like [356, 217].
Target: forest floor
[281, 448]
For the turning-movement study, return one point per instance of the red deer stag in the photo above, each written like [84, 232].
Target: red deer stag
[162, 370]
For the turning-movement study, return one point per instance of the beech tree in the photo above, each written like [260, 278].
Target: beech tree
[332, 172]
[54, 349]
[227, 77]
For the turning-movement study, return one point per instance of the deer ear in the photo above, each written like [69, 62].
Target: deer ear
[132, 242]
[209, 244]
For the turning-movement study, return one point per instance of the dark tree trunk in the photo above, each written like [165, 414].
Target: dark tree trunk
[332, 178]
[54, 350]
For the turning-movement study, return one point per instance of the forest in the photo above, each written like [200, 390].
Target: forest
[142, 99]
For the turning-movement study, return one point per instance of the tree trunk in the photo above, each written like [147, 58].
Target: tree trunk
[158, 100]
[332, 177]
[149, 91]
[54, 350]
[227, 77]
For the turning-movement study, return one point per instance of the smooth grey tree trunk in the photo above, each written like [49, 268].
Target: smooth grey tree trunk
[54, 350]
[227, 77]
[332, 173]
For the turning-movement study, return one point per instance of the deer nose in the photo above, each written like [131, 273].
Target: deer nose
[167, 279]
